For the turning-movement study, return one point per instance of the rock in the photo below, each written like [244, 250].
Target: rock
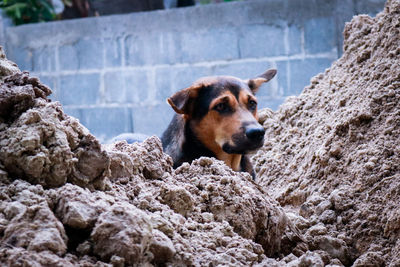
[178, 199]
[308, 259]
[328, 216]
[7, 67]
[79, 208]
[31, 223]
[369, 259]
[331, 154]
[318, 229]
[145, 158]
[53, 148]
[326, 194]
[264, 114]
[19, 257]
[161, 247]
[335, 247]
[232, 198]
[124, 231]
[323, 206]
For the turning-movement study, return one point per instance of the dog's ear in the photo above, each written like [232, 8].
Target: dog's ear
[181, 100]
[255, 83]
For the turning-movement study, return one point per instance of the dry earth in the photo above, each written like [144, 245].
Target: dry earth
[68, 201]
[327, 192]
[332, 155]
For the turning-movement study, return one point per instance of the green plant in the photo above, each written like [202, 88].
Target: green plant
[28, 11]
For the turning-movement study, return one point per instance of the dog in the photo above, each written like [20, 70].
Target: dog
[216, 117]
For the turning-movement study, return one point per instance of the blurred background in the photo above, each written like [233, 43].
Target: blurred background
[112, 64]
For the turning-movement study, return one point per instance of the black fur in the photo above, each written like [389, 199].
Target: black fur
[180, 142]
[192, 105]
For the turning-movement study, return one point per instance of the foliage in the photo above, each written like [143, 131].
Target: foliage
[28, 11]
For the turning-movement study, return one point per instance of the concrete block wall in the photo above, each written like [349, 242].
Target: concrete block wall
[114, 72]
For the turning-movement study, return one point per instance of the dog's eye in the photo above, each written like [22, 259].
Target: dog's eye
[222, 108]
[252, 105]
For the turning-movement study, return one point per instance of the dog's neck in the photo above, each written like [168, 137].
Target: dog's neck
[198, 149]
[192, 148]
[182, 145]
[232, 160]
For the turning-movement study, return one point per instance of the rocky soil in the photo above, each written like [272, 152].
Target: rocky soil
[327, 191]
[67, 201]
[332, 155]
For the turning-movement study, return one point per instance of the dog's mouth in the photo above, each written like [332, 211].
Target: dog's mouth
[240, 144]
[241, 149]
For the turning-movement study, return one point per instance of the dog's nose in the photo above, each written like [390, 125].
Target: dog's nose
[255, 133]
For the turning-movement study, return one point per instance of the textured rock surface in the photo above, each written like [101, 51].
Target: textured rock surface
[6, 67]
[67, 201]
[200, 213]
[332, 154]
[330, 160]
[28, 222]
[41, 144]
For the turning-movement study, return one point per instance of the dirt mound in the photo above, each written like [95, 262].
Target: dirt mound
[331, 160]
[41, 144]
[67, 201]
[332, 154]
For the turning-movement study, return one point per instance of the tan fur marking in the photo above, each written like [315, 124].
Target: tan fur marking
[258, 82]
[244, 99]
[232, 160]
[236, 162]
[214, 130]
[180, 99]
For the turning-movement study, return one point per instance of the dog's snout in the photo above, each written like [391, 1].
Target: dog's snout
[255, 133]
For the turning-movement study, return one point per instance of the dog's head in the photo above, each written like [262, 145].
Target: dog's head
[222, 112]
